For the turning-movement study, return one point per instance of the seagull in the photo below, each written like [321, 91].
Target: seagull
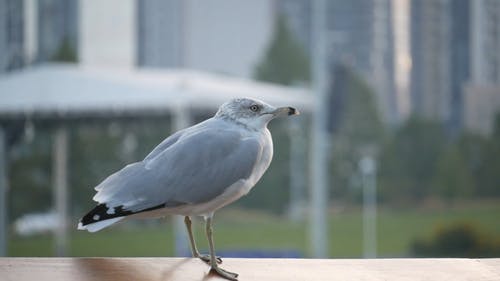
[193, 172]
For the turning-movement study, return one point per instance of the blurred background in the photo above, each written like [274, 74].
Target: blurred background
[397, 153]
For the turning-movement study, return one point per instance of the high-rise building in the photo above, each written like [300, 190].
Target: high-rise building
[402, 56]
[430, 76]
[160, 33]
[11, 35]
[481, 107]
[107, 33]
[459, 66]
[362, 37]
[56, 25]
[382, 61]
[223, 36]
[359, 35]
[455, 49]
[485, 45]
[297, 14]
[35, 30]
[482, 92]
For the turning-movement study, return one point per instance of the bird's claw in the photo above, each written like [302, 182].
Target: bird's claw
[225, 274]
[206, 259]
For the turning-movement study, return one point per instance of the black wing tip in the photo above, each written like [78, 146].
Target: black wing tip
[102, 212]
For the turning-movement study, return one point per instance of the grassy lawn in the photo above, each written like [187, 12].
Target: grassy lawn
[238, 229]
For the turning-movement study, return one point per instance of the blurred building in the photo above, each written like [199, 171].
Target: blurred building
[222, 36]
[482, 91]
[482, 107]
[402, 57]
[11, 35]
[107, 35]
[485, 45]
[56, 25]
[454, 43]
[35, 30]
[430, 76]
[440, 48]
[359, 35]
[459, 62]
[298, 18]
[160, 33]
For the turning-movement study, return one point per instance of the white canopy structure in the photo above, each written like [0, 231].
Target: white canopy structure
[71, 89]
[61, 91]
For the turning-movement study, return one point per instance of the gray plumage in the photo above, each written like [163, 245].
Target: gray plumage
[194, 171]
[191, 167]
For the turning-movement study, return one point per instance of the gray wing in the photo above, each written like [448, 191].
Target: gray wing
[108, 189]
[195, 168]
[164, 145]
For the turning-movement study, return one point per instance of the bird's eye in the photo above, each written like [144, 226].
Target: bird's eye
[254, 108]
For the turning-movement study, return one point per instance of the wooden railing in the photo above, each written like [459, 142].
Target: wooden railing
[186, 269]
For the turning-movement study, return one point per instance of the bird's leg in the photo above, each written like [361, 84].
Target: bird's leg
[213, 263]
[194, 249]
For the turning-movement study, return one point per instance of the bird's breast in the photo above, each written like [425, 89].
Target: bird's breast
[264, 159]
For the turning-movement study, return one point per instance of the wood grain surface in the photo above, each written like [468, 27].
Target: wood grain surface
[163, 269]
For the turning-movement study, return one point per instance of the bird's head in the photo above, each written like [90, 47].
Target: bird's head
[252, 113]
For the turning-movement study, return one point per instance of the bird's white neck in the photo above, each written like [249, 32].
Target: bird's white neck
[252, 124]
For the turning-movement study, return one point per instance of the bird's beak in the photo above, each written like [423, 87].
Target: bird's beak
[284, 111]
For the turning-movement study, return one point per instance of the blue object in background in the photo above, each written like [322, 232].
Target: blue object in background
[260, 254]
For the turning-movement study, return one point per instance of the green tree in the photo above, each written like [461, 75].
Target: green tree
[361, 121]
[460, 239]
[359, 131]
[453, 179]
[489, 171]
[474, 150]
[284, 62]
[66, 52]
[408, 161]
[30, 176]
